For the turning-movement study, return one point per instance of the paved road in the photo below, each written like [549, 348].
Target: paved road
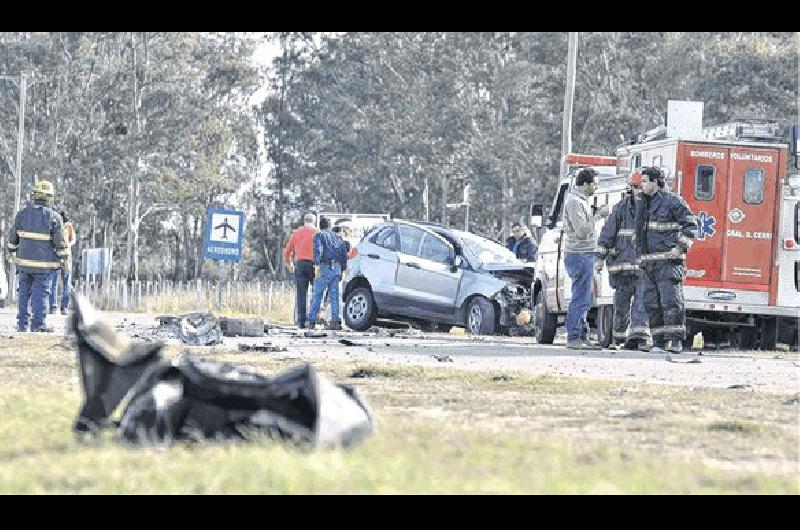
[762, 371]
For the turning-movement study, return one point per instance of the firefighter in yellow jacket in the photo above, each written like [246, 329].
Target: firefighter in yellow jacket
[38, 247]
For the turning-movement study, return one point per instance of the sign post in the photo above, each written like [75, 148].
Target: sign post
[223, 240]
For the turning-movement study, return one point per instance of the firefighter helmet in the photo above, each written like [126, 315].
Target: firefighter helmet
[43, 190]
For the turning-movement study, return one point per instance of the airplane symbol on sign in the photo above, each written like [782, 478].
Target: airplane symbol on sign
[225, 227]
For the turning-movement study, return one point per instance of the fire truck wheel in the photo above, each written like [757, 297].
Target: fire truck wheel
[604, 320]
[544, 322]
[746, 338]
[769, 333]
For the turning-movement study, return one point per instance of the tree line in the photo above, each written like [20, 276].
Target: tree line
[142, 132]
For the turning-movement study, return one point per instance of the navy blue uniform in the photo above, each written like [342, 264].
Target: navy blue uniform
[615, 246]
[664, 222]
[38, 245]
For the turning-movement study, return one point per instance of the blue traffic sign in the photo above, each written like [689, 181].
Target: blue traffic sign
[224, 234]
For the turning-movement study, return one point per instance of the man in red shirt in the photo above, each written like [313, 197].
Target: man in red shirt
[301, 243]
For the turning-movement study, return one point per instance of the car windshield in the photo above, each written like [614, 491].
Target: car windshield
[487, 251]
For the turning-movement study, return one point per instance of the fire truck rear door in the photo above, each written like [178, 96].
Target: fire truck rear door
[750, 216]
[705, 189]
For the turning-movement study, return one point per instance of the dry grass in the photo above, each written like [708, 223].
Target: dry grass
[441, 430]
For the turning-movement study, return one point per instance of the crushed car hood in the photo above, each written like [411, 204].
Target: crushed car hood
[491, 267]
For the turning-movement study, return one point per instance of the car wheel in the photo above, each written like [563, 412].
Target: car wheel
[544, 322]
[359, 309]
[480, 317]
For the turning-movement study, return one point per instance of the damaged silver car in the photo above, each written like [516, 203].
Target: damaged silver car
[437, 277]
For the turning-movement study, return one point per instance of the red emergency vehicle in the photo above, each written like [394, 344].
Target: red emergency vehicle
[743, 271]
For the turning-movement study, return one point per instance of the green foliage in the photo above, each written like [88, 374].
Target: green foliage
[352, 122]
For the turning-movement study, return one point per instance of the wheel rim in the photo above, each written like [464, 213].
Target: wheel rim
[357, 308]
[475, 319]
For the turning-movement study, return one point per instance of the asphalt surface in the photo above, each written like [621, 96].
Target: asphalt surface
[777, 371]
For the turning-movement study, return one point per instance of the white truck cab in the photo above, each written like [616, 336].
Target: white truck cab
[552, 287]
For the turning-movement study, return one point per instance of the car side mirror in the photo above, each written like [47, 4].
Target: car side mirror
[458, 261]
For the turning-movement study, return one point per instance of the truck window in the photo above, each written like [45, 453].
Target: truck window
[658, 160]
[797, 224]
[704, 178]
[637, 161]
[753, 188]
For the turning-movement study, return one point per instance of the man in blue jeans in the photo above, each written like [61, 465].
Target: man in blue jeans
[37, 246]
[580, 242]
[330, 259]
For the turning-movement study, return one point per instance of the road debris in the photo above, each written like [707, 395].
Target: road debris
[348, 342]
[732, 387]
[194, 399]
[442, 358]
[502, 377]
[266, 347]
[691, 361]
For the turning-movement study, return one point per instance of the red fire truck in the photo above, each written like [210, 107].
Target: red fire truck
[743, 271]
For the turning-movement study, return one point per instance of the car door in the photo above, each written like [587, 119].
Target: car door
[425, 282]
[378, 256]
[438, 280]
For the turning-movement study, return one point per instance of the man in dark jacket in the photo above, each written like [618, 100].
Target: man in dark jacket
[521, 243]
[330, 259]
[665, 228]
[37, 246]
[615, 246]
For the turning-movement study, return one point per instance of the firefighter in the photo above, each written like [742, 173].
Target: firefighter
[665, 228]
[615, 246]
[38, 247]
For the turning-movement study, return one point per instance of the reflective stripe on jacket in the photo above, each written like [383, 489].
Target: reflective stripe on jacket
[663, 222]
[615, 243]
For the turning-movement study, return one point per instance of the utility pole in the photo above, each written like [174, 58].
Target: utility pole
[23, 89]
[569, 95]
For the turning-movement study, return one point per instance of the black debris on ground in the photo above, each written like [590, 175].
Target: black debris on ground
[442, 358]
[266, 347]
[348, 342]
[733, 387]
[502, 377]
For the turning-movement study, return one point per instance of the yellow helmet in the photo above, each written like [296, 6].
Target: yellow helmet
[43, 190]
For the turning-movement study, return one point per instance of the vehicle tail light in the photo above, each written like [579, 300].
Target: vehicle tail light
[353, 253]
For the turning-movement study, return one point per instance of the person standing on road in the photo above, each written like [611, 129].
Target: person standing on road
[580, 241]
[665, 230]
[330, 259]
[615, 246]
[301, 244]
[38, 247]
[521, 243]
[65, 272]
